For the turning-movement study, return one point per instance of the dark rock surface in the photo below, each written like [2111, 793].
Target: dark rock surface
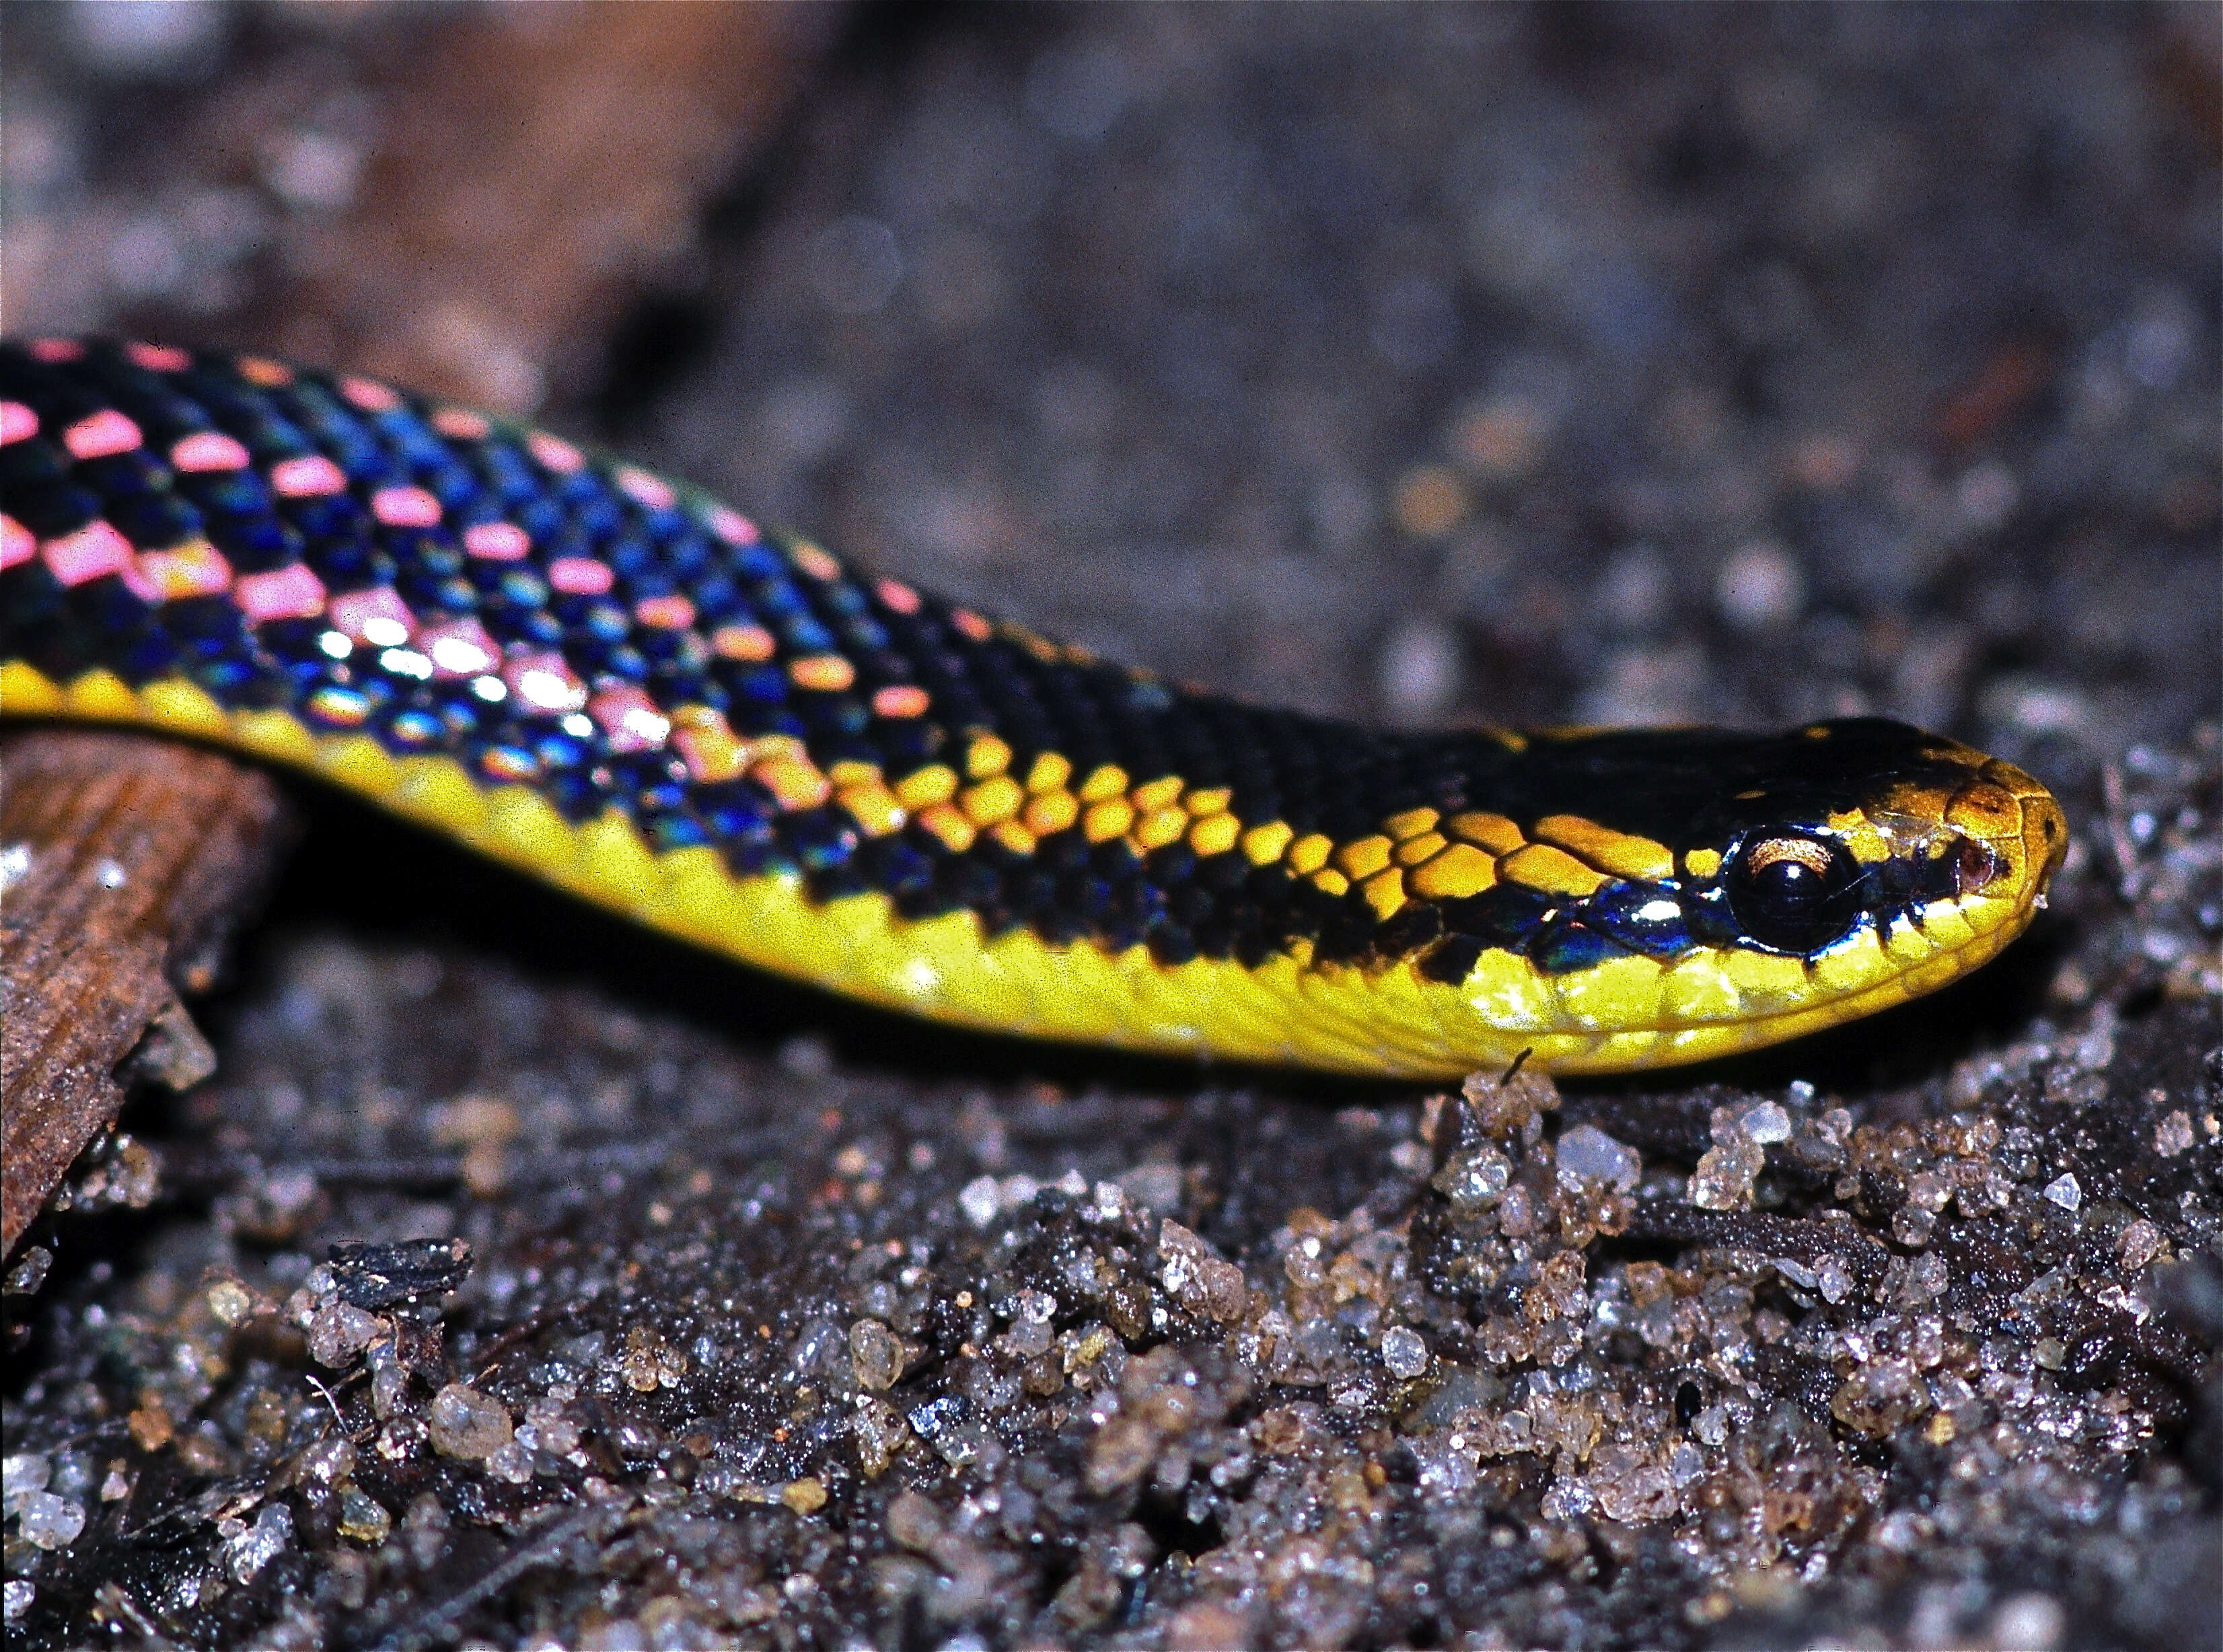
[1597, 362]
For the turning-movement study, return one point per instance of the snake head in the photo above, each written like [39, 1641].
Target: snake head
[1795, 881]
[1872, 825]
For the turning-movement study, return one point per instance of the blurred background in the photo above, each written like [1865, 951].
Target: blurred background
[1580, 363]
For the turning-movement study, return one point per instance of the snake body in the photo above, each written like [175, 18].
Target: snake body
[641, 694]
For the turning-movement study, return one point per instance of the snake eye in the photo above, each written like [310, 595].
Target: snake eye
[1788, 891]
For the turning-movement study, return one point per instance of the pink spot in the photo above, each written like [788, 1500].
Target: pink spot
[369, 395]
[377, 617]
[461, 424]
[554, 453]
[732, 526]
[57, 349]
[901, 598]
[459, 648]
[544, 684]
[664, 613]
[106, 432]
[17, 423]
[17, 542]
[404, 507]
[292, 593]
[580, 576]
[630, 720]
[652, 491]
[158, 358]
[498, 541]
[140, 583]
[208, 450]
[901, 700]
[310, 476]
[971, 625]
[94, 550]
[197, 569]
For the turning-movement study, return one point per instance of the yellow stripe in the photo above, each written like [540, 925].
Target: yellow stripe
[1386, 1020]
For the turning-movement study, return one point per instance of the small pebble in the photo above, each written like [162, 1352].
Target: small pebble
[1428, 501]
[2028, 1623]
[978, 1200]
[805, 1495]
[47, 1521]
[261, 1543]
[876, 1354]
[1420, 671]
[1502, 439]
[1758, 587]
[1588, 1154]
[1766, 1124]
[363, 1518]
[468, 1424]
[1404, 1352]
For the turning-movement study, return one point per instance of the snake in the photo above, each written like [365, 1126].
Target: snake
[638, 694]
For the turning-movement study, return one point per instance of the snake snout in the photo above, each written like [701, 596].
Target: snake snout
[2019, 827]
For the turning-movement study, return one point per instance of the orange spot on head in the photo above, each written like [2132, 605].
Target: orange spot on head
[971, 625]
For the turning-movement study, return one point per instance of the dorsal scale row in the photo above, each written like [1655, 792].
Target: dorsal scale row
[446, 585]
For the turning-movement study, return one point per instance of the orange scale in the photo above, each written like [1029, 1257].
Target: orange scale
[901, 700]
[261, 370]
[825, 673]
[753, 643]
[462, 424]
[664, 613]
[816, 563]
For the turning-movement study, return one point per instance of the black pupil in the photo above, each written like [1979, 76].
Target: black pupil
[1788, 901]
[1788, 889]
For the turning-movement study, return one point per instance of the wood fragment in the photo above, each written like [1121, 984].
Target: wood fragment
[126, 864]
